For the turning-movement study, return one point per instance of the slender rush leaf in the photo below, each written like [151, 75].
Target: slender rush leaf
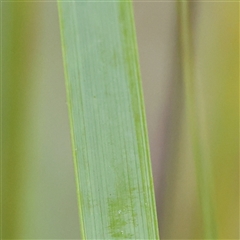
[109, 136]
[203, 166]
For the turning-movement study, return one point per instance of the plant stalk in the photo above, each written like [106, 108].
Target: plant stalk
[202, 164]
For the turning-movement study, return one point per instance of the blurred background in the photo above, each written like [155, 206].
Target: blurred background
[38, 186]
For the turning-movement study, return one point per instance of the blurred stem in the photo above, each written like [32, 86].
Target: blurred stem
[17, 26]
[203, 168]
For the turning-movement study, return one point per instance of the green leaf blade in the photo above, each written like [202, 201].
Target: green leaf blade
[112, 162]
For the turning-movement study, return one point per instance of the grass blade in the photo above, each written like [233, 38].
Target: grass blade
[109, 137]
